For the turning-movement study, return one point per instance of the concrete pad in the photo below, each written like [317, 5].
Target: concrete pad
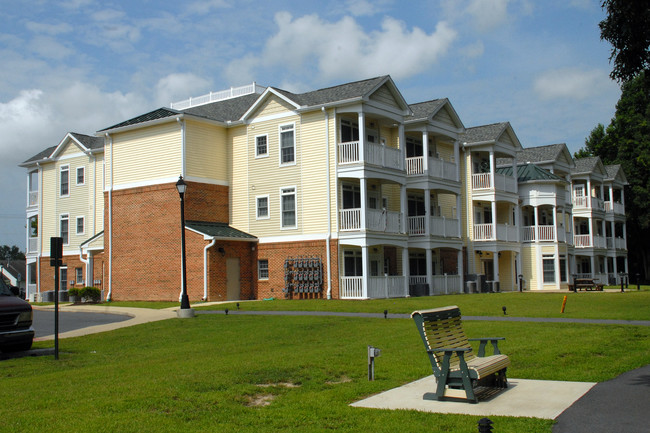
[523, 397]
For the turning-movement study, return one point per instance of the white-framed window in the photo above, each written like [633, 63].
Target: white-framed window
[64, 181]
[262, 207]
[81, 175]
[63, 278]
[261, 146]
[263, 269]
[548, 267]
[64, 228]
[79, 275]
[81, 225]
[288, 207]
[287, 144]
[349, 131]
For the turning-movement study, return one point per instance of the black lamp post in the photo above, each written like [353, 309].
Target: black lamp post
[181, 186]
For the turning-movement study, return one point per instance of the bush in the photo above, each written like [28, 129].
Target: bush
[73, 292]
[92, 294]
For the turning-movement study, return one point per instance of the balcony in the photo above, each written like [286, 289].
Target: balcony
[504, 232]
[32, 245]
[374, 154]
[588, 203]
[584, 241]
[481, 181]
[538, 233]
[439, 226]
[32, 199]
[376, 220]
[613, 207]
[378, 287]
[437, 168]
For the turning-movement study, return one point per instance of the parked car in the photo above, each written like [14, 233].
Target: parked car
[16, 332]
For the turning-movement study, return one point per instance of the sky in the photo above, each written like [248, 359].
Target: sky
[83, 65]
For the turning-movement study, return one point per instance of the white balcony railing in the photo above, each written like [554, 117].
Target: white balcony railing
[350, 219]
[620, 244]
[437, 167]
[374, 154]
[387, 287]
[376, 220]
[582, 241]
[33, 199]
[588, 202]
[501, 182]
[483, 232]
[445, 227]
[614, 207]
[415, 165]
[233, 92]
[445, 284]
[417, 225]
[600, 242]
[32, 245]
[351, 287]
[349, 152]
[546, 233]
[507, 232]
[481, 181]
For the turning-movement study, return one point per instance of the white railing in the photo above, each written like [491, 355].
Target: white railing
[600, 242]
[597, 203]
[528, 234]
[233, 92]
[585, 202]
[620, 244]
[445, 227]
[546, 233]
[481, 181]
[580, 202]
[610, 243]
[417, 225]
[415, 165]
[617, 208]
[351, 288]
[387, 287]
[33, 199]
[483, 232]
[445, 284]
[582, 241]
[507, 232]
[504, 183]
[32, 245]
[349, 152]
[442, 169]
[374, 154]
[350, 219]
[417, 279]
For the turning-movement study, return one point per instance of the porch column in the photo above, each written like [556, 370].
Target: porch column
[402, 144]
[429, 258]
[612, 226]
[406, 270]
[492, 169]
[615, 269]
[425, 151]
[516, 221]
[625, 234]
[625, 265]
[461, 270]
[611, 196]
[593, 266]
[623, 196]
[588, 192]
[604, 229]
[602, 191]
[457, 159]
[563, 225]
[362, 136]
[494, 219]
[555, 223]
[403, 208]
[535, 230]
[365, 265]
[591, 230]
[427, 212]
[458, 215]
[496, 266]
[607, 268]
[364, 202]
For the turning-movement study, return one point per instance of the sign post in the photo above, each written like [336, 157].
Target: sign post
[56, 257]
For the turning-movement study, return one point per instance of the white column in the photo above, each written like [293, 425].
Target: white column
[623, 196]
[461, 270]
[492, 168]
[403, 208]
[402, 143]
[429, 258]
[555, 224]
[425, 151]
[604, 229]
[612, 226]
[405, 267]
[494, 219]
[588, 192]
[535, 230]
[364, 202]
[365, 266]
[427, 212]
[457, 159]
[611, 196]
[517, 221]
[496, 266]
[593, 266]
[563, 225]
[607, 268]
[625, 234]
[458, 215]
[362, 136]
[615, 269]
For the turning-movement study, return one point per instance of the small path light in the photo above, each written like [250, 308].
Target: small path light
[485, 425]
[238, 305]
[385, 314]
[373, 352]
[504, 310]
[638, 281]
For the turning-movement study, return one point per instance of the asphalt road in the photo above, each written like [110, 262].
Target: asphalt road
[44, 321]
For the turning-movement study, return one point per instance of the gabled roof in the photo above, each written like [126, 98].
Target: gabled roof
[224, 111]
[547, 154]
[88, 143]
[426, 111]
[489, 134]
[160, 113]
[615, 172]
[219, 231]
[588, 165]
[530, 173]
[39, 157]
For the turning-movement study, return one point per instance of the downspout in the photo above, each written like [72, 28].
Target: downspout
[205, 268]
[85, 262]
[328, 253]
[110, 225]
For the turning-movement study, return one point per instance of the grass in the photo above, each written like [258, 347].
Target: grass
[216, 372]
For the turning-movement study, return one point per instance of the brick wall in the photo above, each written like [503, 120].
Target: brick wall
[277, 253]
[71, 262]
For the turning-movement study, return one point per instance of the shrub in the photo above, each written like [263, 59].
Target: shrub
[73, 292]
[92, 294]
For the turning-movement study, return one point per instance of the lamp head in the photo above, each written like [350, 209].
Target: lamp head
[181, 186]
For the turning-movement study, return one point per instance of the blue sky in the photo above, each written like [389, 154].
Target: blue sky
[83, 65]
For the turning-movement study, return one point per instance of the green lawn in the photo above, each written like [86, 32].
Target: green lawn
[215, 372]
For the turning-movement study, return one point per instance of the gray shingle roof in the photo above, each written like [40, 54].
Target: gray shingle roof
[39, 156]
[340, 92]
[529, 173]
[585, 165]
[541, 153]
[485, 133]
[226, 110]
[160, 113]
[219, 230]
[612, 170]
[89, 141]
[424, 110]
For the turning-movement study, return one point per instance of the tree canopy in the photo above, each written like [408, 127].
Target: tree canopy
[11, 253]
[627, 28]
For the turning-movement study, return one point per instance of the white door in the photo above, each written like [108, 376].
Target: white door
[232, 279]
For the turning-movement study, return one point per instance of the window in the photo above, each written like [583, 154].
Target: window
[349, 131]
[63, 228]
[81, 175]
[287, 145]
[288, 206]
[33, 188]
[263, 269]
[63, 279]
[261, 146]
[80, 225]
[64, 181]
[548, 265]
[563, 273]
[262, 207]
[79, 275]
[352, 264]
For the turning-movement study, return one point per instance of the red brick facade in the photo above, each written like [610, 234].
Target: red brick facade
[71, 262]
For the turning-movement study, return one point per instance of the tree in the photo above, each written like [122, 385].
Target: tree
[627, 28]
[593, 143]
[11, 253]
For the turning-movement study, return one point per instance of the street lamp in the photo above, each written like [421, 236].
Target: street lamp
[185, 310]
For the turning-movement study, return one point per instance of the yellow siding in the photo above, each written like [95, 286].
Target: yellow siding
[147, 154]
[314, 172]
[548, 250]
[99, 193]
[447, 203]
[443, 116]
[385, 96]
[528, 258]
[206, 151]
[272, 106]
[506, 271]
[239, 187]
[445, 150]
[70, 149]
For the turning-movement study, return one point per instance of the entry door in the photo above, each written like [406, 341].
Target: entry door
[232, 279]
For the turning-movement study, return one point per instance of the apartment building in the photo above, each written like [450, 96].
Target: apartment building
[343, 192]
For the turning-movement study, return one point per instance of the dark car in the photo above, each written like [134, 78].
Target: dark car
[16, 332]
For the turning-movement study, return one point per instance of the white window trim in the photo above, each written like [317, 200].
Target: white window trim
[262, 155]
[65, 216]
[295, 194]
[295, 150]
[61, 170]
[259, 277]
[268, 207]
[76, 179]
[76, 277]
[76, 225]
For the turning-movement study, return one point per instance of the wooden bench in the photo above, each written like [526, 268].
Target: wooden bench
[586, 284]
[460, 374]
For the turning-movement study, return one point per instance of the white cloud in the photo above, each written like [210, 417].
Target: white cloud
[49, 48]
[345, 50]
[473, 50]
[572, 83]
[488, 14]
[360, 8]
[49, 29]
[175, 87]
[206, 6]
